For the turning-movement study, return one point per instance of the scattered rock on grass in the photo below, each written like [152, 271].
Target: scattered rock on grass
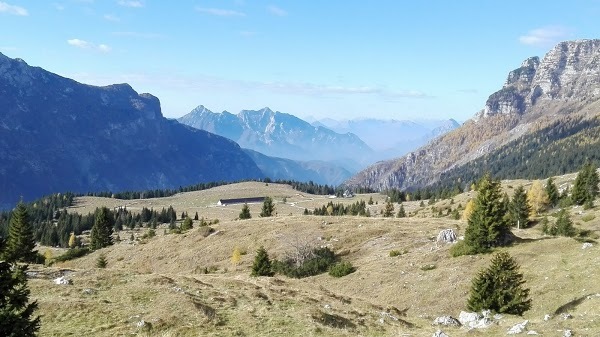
[446, 320]
[62, 281]
[517, 328]
[586, 245]
[447, 236]
[439, 333]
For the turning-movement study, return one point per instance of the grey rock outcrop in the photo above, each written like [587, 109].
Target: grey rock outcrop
[447, 236]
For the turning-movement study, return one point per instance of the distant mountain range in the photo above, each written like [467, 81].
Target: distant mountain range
[544, 121]
[320, 172]
[391, 138]
[282, 135]
[60, 135]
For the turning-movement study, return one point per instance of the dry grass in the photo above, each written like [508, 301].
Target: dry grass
[162, 281]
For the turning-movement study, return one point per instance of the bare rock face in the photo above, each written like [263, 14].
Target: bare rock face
[565, 81]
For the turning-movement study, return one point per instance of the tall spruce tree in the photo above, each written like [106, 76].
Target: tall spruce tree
[499, 288]
[16, 312]
[519, 208]
[262, 264]
[487, 225]
[21, 241]
[585, 188]
[102, 229]
[268, 208]
[552, 192]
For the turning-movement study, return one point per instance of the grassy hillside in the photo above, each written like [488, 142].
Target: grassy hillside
[186, 285]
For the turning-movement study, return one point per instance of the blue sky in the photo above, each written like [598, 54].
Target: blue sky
[338, 59]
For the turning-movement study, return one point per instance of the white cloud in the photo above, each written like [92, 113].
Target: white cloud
[12, 9]
[276, 11]
[183, 82]
[131, 3]
[59, 7]
[139, 35]
[219, 11]
[545, 36]
[111, 17]
[88, 45]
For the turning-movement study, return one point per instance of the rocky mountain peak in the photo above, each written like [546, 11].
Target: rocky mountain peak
[571, 70]
[200, 110]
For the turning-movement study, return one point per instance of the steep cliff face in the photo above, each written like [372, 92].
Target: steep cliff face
[566, 81]
[60, 135]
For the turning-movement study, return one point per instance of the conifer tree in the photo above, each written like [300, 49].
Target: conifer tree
[585, 188]
[487, 226]
[499, 288]
[187, 224]
[552, 192]
[16, 312]
[101, 235]
[262, 264]
[21, 241]
[267, 208]
[401, 212]
[519, 208]
[101, 261]
[196, 216]
[245, 213]
[389, 209]
[370, 200]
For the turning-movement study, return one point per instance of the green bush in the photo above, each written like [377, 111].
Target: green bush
[341, 269]
[72, 254]
[588, 217]
[461, 248]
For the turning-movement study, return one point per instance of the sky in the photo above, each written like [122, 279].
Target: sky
[386, 59]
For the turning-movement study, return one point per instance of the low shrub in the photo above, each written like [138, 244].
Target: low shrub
[341, 269]
[460, 248]
[394, 253]
[72, 254]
